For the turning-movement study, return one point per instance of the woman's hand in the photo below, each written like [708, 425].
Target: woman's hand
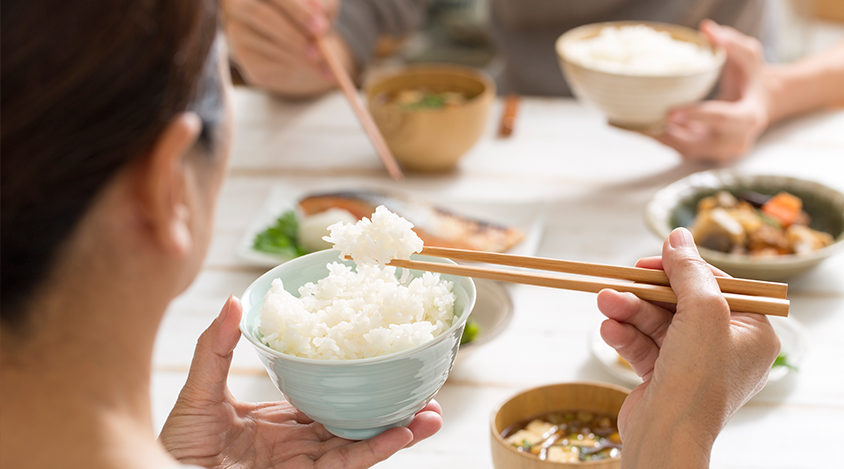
[699, 364]
[726, 128]
[210, 428]
[272, 43]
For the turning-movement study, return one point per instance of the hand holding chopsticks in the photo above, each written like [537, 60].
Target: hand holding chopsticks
[750, 296]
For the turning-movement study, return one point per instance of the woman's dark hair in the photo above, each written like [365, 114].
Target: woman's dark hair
[87, 87]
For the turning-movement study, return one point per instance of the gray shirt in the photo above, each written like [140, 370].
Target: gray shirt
[524, 31]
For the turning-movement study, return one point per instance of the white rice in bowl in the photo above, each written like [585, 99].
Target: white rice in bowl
[364, 313]
[639, 50]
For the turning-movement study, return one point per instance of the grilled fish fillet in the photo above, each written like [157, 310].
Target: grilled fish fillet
[436, 226]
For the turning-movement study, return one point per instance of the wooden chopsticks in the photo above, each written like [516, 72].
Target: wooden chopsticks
[364, 117]
[745, 295]
[636, 274]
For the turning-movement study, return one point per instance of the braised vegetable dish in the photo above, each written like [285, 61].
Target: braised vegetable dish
[756, 225]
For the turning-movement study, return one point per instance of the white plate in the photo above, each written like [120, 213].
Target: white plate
[528, 217]
[791, 333]
[493, 312]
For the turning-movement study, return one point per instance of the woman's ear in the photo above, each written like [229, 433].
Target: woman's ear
[163, 184]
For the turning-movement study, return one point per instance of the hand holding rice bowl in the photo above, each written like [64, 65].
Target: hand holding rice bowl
[356, 398]
[634, 76]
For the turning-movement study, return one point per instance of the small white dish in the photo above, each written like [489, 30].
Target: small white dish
[528, 217]
[792, 336]
[493, 312]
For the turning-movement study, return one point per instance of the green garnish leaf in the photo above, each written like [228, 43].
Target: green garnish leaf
[470, 332]
[428, 101]
[281, 238]
[768, 219]
[782, 360]
[527, 445]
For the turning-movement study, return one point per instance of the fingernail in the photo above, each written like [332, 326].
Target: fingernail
[681, 238]
[226, 308]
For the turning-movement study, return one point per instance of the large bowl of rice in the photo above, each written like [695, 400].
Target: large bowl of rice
[357, 398]
[635, 72]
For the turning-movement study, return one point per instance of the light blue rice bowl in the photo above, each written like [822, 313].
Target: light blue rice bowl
[356, 399]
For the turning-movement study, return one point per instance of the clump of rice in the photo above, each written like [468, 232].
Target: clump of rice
[364, 313]
[378, 241]
[639, 50]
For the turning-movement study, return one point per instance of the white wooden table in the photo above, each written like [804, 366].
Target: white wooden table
[596, 181]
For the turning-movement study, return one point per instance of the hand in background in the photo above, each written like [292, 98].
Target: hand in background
[210, 428]
[726, 128]
[272, 42]
[699, 364]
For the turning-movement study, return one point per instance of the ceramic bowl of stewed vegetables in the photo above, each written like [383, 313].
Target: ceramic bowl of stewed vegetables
[765, 227]
[562, 425]
[430, 115]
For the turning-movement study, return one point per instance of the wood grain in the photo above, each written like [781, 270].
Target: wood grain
[635, 274]
[658, 293]
[593, 397]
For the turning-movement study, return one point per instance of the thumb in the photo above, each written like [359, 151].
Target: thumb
[691, 278]
[743, 51]
[213, 355]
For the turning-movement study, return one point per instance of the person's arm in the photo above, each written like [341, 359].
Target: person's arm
[272, 42]
[699, 362]
[809, 84]
[753, 95]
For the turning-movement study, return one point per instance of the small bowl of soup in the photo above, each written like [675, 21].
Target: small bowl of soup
[558, 426]
[430, 115]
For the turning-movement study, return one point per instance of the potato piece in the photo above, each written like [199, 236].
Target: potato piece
[706, 204]
[717, 230]
[747, 217]
[725, 199]
[768, 238]
[802, 239]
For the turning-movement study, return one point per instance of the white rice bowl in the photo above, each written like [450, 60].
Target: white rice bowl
[639, 50]
[364, 312]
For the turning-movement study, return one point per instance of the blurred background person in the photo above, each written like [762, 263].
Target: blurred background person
[272, 46]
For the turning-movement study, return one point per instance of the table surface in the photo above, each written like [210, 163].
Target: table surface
[595, 180]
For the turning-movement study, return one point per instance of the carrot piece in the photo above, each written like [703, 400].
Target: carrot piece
[784, 207]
